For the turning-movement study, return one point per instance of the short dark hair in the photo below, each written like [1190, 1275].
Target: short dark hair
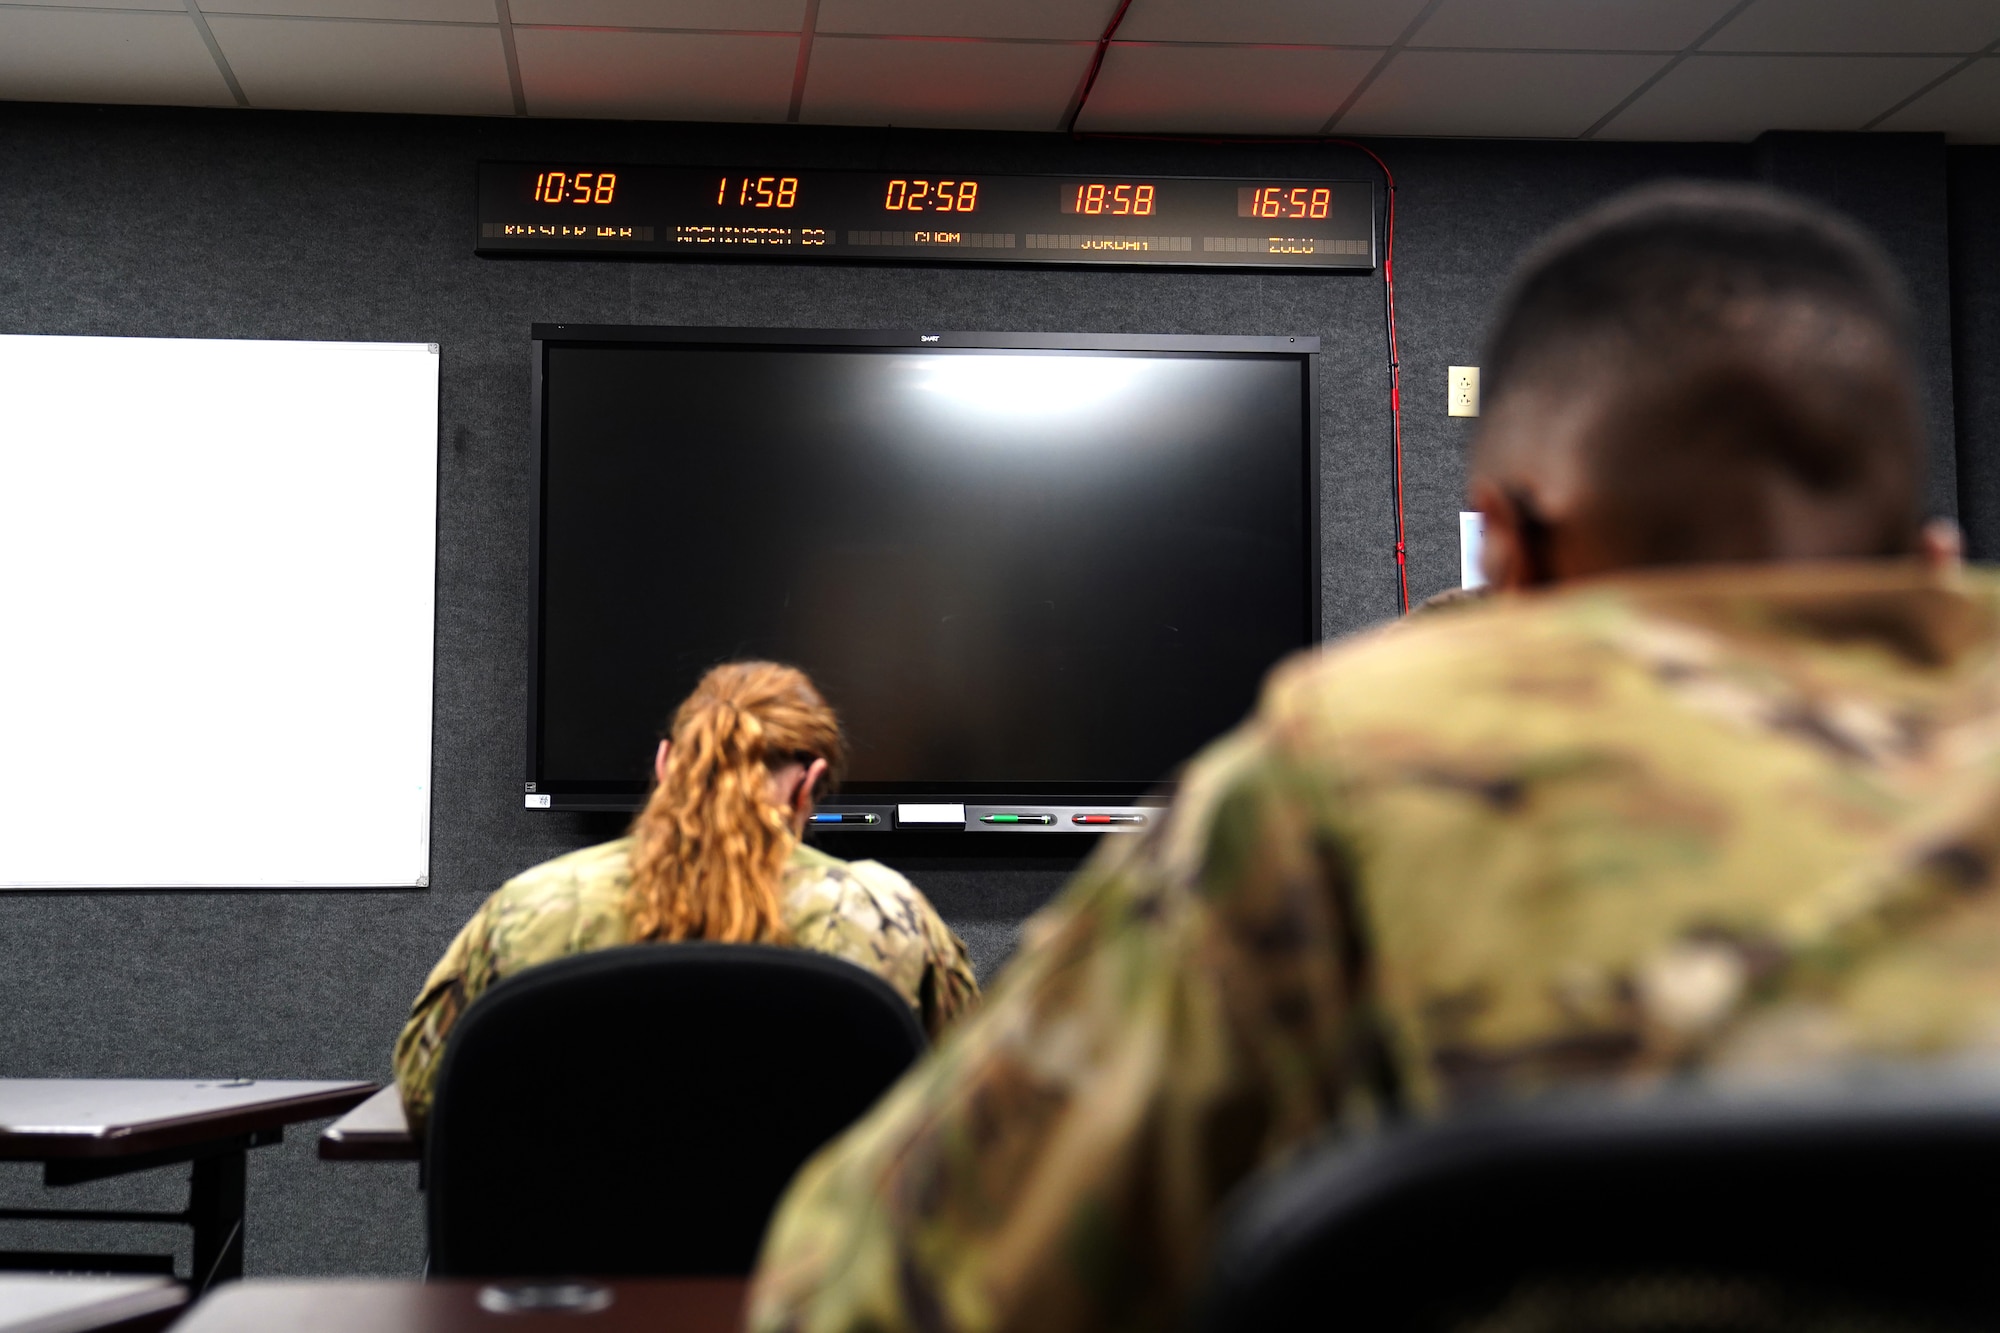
[1654, 266]
[1748, 358]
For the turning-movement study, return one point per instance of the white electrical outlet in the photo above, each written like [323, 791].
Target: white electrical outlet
[1464, 391]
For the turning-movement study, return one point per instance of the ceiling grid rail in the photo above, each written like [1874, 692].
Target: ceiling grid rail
[504, 11]
[201, 27]
[1647, 85]
[1408, 34]
[808, 28]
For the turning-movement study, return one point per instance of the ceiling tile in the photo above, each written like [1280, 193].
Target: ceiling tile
[80, 55]
[1071, 20]
[339, 65]
[1221, 89]
[1965, 107]
[943, 83]
[1584, 25]
[1740, 97]
[177, 6]
[1861, 25]
[440, 11]
[1324, 22]
[1497, 95]
[656, 75]
[715, 15]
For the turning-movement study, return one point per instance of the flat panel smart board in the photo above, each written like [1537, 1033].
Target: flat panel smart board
[573, 208]
[219, 610]
[1030, 566]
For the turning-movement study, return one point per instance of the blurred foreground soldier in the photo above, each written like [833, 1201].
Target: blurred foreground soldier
[1453, 599]
[1714, 781]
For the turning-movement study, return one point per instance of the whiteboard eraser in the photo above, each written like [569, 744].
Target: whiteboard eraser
[538, 802]
[930, 816]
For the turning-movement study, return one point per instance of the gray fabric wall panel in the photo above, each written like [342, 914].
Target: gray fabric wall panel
[231, 224]
[1975, 316]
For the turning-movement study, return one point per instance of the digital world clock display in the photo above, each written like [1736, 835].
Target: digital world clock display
[602, 209]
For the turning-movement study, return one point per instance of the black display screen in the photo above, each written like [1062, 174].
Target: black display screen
[1035, 570]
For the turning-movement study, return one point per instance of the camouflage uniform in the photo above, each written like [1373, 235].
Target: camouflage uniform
[1717, 819]
[861, 911]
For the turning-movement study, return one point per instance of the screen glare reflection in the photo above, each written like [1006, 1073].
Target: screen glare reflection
[1024, 386]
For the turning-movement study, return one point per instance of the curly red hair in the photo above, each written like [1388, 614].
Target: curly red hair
[710, 847]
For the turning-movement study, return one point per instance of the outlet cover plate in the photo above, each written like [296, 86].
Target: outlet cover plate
[1463, 395]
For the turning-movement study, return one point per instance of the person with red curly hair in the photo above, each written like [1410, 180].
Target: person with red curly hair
[715, 855]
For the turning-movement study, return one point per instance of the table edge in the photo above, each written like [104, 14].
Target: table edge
[336, 1145]
[167, 1294]
[154, 1135]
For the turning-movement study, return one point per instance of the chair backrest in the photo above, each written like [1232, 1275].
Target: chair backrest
[638, 1111]
[1865, 1206]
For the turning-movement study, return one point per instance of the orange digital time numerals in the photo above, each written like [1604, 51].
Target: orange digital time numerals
[1284, 201]
[915, 196]
[1105, 199]
[579, 187]
[760, 192]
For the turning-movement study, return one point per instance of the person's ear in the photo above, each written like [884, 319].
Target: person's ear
[660, 762]
[809, 783]
[1506, 556]
[1941, 546]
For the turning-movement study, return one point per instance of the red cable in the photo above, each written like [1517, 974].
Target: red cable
[1097, 63]
[1395, 360]
[1388, 297]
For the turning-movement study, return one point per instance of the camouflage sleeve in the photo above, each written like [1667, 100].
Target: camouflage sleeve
[873, 917]
[950, 988]
[451, 986]
[1181, 1014]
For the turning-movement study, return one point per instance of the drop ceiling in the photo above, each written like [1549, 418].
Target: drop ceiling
[1565, 69]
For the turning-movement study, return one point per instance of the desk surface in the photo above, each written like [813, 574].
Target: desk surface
[45, 1118]
[374, 1131]
[38, 1304]
[662, 1305]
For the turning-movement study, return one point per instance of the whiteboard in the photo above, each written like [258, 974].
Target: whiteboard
[216, 612]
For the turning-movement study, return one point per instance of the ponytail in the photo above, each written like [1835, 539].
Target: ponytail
[710, 848]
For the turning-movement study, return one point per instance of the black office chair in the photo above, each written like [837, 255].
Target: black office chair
[1845, 1210]
[638, 1111]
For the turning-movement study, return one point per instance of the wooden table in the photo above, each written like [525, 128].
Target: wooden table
[90, 1129]
[625, 1305]
[374, 1131]
[88, 1304]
